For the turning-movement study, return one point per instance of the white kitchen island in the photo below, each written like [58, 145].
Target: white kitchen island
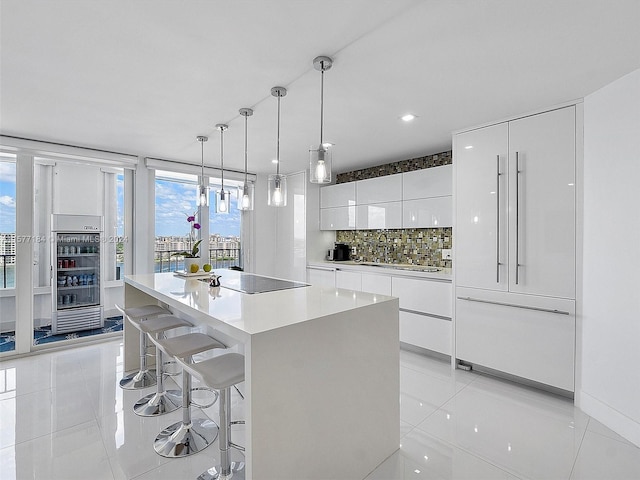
[321, 370]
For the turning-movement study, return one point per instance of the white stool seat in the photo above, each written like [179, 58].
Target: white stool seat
[186, 345]
[219, 372]
[145, 311]
[161, 323]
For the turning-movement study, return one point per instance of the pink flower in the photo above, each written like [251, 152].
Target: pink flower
[191, 219]
[196, 226]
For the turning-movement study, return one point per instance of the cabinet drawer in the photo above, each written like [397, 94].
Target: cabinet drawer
[379, 216]
[349, 280]
[426, 332]
[372, 283]
[321, 277]
[426, 296]
[427, 212]
[533, 344]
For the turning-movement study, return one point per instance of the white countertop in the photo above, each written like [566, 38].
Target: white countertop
[250, 314]
[443, 274]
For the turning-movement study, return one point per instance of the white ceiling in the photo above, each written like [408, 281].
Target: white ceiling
[146, 77]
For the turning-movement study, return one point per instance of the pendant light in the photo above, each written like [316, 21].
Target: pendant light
[320, 155]
[246, 190]
[277, 184]
[203, 190]
[222, 196]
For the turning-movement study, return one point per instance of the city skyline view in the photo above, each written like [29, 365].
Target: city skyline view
[174, 202]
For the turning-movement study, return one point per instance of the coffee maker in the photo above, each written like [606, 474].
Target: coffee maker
[340, 253]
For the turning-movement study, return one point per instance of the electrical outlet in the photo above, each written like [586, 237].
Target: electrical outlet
[353, 251]
[446, 254]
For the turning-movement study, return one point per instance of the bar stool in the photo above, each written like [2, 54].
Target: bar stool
[221, 373]
[144, 377]
[162, 401]
[188, 436]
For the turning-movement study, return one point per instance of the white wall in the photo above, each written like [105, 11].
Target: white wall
[611, 257]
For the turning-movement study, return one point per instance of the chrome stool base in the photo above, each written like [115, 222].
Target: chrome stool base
[158, 403]
[180, 439]
[139, 380]
[215, 473]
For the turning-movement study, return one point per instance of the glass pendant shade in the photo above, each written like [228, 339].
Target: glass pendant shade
[320, 163]
[320, 155]
[223, 198]
[203, 196]
[245, 196]
[277, 188]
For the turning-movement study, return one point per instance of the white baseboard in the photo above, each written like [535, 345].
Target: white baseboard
[617, 421]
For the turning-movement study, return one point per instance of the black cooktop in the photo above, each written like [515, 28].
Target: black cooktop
[249, 283]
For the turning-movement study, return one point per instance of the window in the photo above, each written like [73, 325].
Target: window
[7, 220]
[175, 201]
[224, 229]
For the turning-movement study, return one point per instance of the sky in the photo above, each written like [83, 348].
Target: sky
[7, 197]
[174, 202]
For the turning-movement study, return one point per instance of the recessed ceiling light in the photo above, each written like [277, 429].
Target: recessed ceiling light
[275, 160]
[327, 144]
[468, 147]
[407, 117]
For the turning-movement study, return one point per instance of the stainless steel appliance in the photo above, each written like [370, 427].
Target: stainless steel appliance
[340, 253]
[76, 283]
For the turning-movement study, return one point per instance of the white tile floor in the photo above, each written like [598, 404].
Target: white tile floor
[62, 416]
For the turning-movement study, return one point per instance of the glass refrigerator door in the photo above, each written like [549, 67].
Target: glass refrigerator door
[78, 270]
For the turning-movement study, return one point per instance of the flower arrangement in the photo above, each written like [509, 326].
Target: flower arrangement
[192, 236]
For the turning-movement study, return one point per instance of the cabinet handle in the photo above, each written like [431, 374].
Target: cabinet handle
[498, 218]
[517, 217]
[327, 269]
[537, 309]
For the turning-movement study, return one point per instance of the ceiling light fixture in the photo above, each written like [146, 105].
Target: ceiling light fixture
[408, 117]
[320, 156]
[203, 189]
[246, 191]
[277, 183]
[222, 196]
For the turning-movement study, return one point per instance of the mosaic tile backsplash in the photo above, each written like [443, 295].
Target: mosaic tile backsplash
[417, 246]
[428, 161]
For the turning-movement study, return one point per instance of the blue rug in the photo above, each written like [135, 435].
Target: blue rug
[43, 334]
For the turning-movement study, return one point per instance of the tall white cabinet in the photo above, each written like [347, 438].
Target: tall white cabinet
[515, 236]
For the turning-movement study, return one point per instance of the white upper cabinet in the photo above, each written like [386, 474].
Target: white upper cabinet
[481, 203]
[338, 218]
[340, 195]
[428, 212]
[515, 201]
[427, 183]
[379, 190]
[379, 216]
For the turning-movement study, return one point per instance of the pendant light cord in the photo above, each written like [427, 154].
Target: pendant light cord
[245, 148]
[278, 143]
[222, 159]
[321, 100]
[202, 162]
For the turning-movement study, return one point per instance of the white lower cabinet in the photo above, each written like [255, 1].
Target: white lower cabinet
[321, 277]
[528, 336]
[426, 332]
[425, 312]
[349, 280]
[380, 284]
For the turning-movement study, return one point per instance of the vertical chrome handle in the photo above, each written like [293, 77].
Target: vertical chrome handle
[498, 218]
[517, 217]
